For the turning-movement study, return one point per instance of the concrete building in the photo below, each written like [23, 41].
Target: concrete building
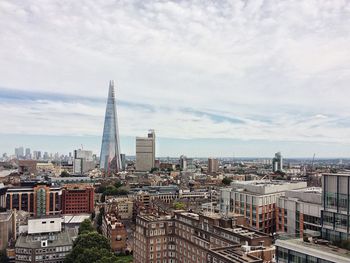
[77, 199]
[36, 198]
[7, 228]
[299, 212]
[335, 206]
[256, 200]
[146, 152]
[114, 230]
[313, 251]
[191, 238]
[277, 163]
[213, 165]
[45, 241]
[83, 161]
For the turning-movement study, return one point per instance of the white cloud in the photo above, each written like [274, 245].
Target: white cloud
[278, 66]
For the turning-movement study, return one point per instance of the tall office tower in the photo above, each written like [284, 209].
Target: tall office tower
[183, 162]
[213, 165]
[277, 162]
[110, 149]
[146, 152]
[46, 156]
[28, 155]
[19, 152]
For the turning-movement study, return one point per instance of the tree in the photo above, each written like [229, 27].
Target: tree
[93, 214]
[118, 184]
[3, 257]
[154, 169]
[64, 174]
[179, 206]
[89, 247]
[86, 226]
[226, 181]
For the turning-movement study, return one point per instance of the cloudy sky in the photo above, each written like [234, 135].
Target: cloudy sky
[213, 78]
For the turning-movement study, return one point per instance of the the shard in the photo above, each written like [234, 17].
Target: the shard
[110, 161]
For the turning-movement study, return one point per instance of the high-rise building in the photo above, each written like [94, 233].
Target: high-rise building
[146, 152]
[110, 148]
[19, 152]
[277, 163]
[183, 162]
[28, 155]
[213, 165]
[46, 156]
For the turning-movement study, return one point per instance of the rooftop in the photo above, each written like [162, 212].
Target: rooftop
[234, 255]
[153, 218]
[5, 216]
[63, 238]
[327, 252]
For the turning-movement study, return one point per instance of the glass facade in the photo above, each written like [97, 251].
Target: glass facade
[284, 255]
[110, 149]
[336, 210]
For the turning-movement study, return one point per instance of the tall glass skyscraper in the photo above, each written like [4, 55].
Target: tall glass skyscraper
[110, 150]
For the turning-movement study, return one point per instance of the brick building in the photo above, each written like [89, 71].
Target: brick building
[77, 199]
[191, 238]
[115, 231]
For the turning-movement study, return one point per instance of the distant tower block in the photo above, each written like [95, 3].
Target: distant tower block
[110, 160]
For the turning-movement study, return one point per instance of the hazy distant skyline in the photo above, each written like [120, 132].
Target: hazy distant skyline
[212, 78]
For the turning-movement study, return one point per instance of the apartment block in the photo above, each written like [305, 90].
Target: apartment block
[256, 200]
[191, 238]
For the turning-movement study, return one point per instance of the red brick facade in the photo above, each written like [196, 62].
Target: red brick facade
[77, 199]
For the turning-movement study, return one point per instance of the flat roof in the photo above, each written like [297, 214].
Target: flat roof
[63, 238]
[330, 253]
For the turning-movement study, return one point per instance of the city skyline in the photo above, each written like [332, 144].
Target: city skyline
[250, 78]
